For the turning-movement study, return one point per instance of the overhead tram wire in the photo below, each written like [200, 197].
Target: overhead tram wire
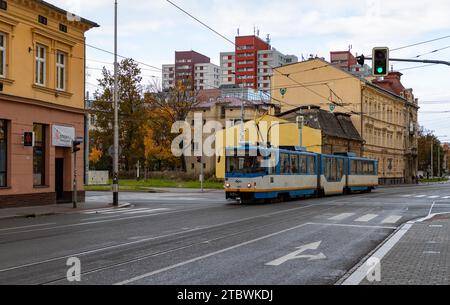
[420, 43]
[121, 56]
[233, 43]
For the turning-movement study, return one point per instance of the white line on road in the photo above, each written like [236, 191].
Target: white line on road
[367, 218]
[146, 211]
[351, 226]
[392, 219]
[137, 278]
[26, 227]
[446, 197]
[433, 197]
[151, 238]
[342, 216]
[420, 196]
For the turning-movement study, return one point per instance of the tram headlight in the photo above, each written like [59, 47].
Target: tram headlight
[249, 185]
[227, 185]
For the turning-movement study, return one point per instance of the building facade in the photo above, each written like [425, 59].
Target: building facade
[339, 135]
[224, 108]
[250, 65]
[192, 69]
[345, 60]
[42, 78]
[385, 115]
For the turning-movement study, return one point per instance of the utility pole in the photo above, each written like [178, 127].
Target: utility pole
[116, 118]
[86, 141]
[439, 161]
[432, 159]
[242, 136]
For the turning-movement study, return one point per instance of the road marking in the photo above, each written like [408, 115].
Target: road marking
[406, 196]
[351, 226]
[147, 239]
[137, 278]
[296, 255]
[433, 197]
[26, 227]
[364, 270]
[342, 216]
[446, 197]
[420, 196]
[367, 218]
[121, 211]
[392, 219]
[146, 211]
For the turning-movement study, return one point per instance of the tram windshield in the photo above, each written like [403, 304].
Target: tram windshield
[246, 165]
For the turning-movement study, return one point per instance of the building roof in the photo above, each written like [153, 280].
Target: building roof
[62, 11]
[230, 102]
[337, 125]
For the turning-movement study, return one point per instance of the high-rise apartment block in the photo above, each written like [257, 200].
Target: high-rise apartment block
[250, 65]
[192, 69]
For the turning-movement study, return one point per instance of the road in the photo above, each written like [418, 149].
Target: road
[193, 238]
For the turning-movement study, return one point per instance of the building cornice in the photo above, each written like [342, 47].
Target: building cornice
[23, 100]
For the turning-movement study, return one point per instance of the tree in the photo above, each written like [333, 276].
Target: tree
[132, 114]
[167, 107]
[426, 140]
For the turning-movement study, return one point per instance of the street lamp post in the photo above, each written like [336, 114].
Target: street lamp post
[116, 118]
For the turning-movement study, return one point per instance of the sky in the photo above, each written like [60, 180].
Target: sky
[151, 30]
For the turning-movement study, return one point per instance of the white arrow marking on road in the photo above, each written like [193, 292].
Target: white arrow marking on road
[296, 255]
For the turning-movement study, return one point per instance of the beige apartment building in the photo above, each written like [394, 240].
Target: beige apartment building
[383, 111]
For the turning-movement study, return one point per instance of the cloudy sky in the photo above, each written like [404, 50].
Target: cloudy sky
[151, 30]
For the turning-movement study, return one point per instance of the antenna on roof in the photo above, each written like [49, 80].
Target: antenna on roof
[268, 39]
[238, 31]
[257, 32]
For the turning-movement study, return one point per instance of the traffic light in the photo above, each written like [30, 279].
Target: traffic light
[380, 59]
[75, 145]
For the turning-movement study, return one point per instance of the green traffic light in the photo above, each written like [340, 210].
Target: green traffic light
[380, 70]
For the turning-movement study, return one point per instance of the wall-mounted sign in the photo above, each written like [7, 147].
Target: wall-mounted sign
[62, 136]
[28, 139]
[332, 107]
[283, 91]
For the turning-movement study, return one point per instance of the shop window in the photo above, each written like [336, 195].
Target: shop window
[3, 153]
[39, 155]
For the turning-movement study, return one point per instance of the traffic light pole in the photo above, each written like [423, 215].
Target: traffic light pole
[116, 118]
[75, 183]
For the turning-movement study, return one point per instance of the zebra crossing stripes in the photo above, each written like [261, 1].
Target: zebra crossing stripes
[392, 219]
[424, 196]
[125, 211]
[342, 216]
[367, 218]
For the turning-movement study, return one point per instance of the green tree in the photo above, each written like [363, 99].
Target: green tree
[132, 114]
[427, 140]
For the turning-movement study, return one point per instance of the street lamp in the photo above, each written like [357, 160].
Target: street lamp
[116, 118]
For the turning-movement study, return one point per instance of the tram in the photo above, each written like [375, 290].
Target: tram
[256, 173]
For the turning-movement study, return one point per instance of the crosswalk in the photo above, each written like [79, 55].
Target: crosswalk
[125, 211]
[386, 220]
[424, 196]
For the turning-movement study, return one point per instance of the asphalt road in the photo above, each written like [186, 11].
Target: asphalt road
[193, 238]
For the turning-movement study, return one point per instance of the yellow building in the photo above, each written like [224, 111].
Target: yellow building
[42, 79]
[265, 129]
[384, 112]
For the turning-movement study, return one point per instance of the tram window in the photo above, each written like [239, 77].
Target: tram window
[285, 166]
[360, 168]
[312, 165]
[340, 169]
[366, 168]
[294, 164]
[371, 168]
[327, 168]
[334, 170]
[303, 165]
[354, 167]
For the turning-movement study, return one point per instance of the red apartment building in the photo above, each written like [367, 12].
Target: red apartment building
[343, 59]
[247, 48]
[185, 62]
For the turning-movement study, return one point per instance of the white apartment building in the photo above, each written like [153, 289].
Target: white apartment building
[168, 76]
[271, 59]
[267, 59]
[228, 66]
[207, 76]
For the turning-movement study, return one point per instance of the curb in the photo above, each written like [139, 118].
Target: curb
[360, 271]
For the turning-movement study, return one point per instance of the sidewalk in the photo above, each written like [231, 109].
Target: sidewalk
[420, 257]
[46, 210]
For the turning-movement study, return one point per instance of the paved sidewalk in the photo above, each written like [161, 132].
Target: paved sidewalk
[421, 257]
[46, 210]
